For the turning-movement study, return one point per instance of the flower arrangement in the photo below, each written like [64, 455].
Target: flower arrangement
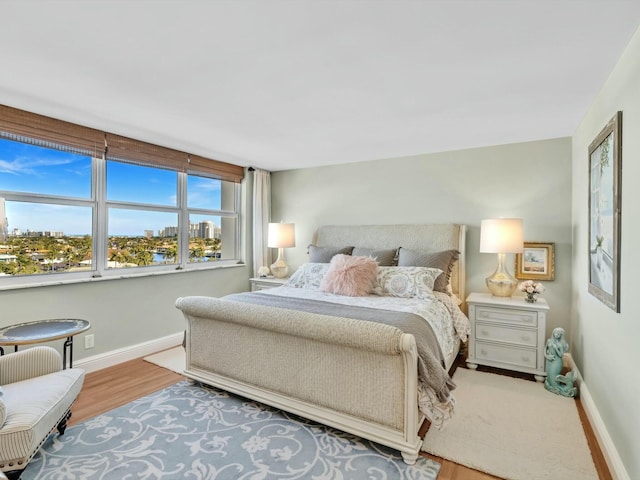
[531, 288]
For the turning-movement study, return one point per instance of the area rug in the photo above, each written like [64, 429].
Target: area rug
[172, 359]
[513, 429]
[194, 432]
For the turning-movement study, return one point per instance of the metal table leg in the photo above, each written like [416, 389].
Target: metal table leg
[68, 344]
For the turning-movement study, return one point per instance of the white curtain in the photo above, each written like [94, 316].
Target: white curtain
[261, 218]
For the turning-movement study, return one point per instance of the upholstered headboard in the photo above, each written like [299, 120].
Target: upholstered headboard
[436, 237]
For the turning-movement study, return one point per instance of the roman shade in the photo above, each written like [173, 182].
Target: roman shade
[33, 128]
[44, 131]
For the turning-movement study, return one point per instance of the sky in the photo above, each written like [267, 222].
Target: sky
[31, 169]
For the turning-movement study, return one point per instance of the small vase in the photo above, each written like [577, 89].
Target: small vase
[531, 297]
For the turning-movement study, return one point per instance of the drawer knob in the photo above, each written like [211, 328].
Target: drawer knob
[525, 359]
[483, 351]
[526, 338]
[484, 332]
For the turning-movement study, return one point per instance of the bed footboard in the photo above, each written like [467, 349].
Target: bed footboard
[357, 376]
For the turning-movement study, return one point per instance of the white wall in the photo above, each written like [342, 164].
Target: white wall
[604, 342]
[122, 312]
[529, 180]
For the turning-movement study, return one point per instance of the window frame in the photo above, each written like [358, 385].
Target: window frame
[100, 207]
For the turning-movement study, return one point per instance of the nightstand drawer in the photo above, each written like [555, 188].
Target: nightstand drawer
[503, 315]
[498, 333]
[521, 357]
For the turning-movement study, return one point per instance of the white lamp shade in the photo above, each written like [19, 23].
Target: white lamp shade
[501, 235]
[281, 235]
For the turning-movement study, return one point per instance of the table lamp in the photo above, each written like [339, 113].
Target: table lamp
[501, 236]
[281, 236]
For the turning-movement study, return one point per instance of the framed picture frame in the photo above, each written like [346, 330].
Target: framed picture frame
[605, 163]
[536, 262]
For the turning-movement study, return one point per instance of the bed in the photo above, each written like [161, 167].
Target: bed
[373, 365]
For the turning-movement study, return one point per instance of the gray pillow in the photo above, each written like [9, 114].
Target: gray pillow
[325, 254]
[385, 258]
[443, 260]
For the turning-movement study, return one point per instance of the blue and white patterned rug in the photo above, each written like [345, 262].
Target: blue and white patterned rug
[189, 431]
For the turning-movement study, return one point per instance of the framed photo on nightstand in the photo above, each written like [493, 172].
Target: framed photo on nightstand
[536, 262]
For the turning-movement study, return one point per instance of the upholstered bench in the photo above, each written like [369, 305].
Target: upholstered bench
[36, 395]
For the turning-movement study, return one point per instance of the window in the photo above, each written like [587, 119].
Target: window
[212, 222]
[71, 213]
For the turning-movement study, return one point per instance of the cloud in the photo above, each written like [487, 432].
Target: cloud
[205, 184]
[30, 165]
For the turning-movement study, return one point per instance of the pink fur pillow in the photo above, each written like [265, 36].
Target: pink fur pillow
[350, 276]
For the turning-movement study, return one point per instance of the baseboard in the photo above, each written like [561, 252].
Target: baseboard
[114, 357]
[611, 456]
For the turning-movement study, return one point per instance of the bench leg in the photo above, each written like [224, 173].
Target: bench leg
[62, 426]
[13, 475]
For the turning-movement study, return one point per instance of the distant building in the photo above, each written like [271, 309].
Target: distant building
[148, 233]
[168, 232]
[7, 258]
[206, 229]
[31, 233]
[202, 230]
[4, 223]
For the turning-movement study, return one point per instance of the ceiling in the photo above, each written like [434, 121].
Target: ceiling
[278, 84]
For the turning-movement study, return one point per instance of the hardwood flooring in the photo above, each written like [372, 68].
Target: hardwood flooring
[112, 387]
[115, 386]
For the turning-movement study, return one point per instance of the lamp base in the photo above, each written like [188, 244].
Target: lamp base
[501, 286]
[501, 283]
[279, 268]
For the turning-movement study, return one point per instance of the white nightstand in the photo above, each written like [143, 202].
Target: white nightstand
[507, 333]
[262, 283]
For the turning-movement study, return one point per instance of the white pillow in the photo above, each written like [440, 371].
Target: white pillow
[406, 282]
[309, 275]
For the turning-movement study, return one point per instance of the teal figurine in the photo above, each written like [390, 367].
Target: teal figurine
[555, 382]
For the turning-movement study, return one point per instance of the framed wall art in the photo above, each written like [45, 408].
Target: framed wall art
[605, 163]
[536, 262]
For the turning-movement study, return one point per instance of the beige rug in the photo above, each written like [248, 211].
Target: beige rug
[513, 429]
[172, 359]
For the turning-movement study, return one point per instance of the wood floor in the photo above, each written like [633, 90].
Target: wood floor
[112, 387]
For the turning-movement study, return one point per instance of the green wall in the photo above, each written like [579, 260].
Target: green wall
[122, 312]
[528, 180]
[604, 342]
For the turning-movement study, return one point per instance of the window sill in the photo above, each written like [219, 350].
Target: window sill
[110, 276]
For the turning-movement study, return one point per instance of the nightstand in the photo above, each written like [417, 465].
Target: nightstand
[507, 332]
[262, 283]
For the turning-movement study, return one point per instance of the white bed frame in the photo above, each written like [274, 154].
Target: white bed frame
[376, 398]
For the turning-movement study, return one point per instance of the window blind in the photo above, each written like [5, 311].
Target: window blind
[49, 132]
[46, 131]
[135, 151]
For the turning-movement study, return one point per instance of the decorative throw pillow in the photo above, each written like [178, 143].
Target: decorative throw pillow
[3, 410]
[325, 254]
[385, 258]
[350, 276]
[406, 282]
[443, 260]
[308, 275]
